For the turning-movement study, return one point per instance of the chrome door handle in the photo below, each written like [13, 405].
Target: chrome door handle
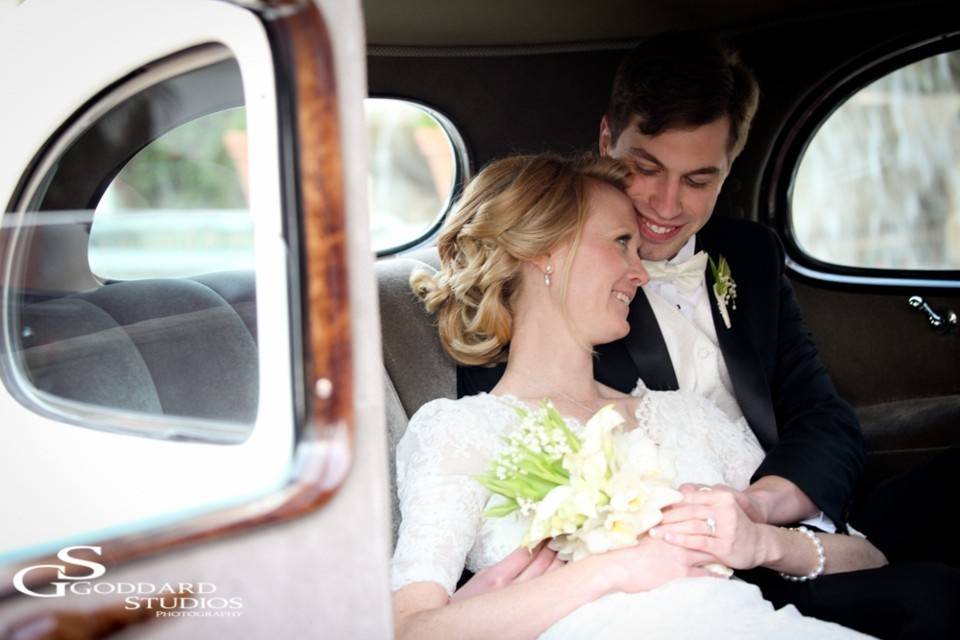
[943, 321]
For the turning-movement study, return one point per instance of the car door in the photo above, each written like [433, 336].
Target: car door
[191, 393]
[853, 161]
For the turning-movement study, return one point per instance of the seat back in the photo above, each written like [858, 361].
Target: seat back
[417, 368]
[172, 346]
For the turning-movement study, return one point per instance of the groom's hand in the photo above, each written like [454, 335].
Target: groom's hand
[519, 566]
[710, 520]
[747, 501]
[781, 501]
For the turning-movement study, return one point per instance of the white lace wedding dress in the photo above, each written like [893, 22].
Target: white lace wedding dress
[442, 529]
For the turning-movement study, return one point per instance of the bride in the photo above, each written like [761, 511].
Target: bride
[539, 264]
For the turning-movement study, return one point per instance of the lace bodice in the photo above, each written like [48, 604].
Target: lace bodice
[448, 442]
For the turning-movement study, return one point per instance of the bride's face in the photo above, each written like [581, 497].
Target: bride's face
[606, 270]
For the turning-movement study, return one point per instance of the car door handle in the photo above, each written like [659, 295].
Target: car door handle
[943, 321]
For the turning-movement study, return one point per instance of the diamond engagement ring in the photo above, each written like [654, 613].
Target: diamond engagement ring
[711, 525]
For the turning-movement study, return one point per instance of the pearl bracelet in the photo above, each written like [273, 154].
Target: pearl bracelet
[821, 557]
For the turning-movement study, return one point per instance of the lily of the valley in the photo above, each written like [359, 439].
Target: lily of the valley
[604, 489]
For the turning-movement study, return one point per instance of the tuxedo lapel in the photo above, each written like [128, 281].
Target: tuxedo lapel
[646, 346]
[750, 385]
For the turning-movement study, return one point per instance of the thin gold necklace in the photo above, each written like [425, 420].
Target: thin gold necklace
[590, 410]
[567, 396]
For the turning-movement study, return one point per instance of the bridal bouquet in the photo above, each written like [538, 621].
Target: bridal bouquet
[590, 493]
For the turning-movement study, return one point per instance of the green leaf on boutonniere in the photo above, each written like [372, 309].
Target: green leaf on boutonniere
[724, 288]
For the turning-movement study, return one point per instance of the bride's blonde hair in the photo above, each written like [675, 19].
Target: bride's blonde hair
[516, 210]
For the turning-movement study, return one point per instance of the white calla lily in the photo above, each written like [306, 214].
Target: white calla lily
[599, 490]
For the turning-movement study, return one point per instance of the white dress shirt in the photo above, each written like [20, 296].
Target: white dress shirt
[699, 371]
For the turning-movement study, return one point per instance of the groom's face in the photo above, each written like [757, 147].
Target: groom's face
[677, 175]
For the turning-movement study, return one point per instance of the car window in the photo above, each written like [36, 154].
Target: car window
[179, 207]
[414, 159]
[878, 187]
[132, 301]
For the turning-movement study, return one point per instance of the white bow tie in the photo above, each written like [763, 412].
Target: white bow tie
[686, 276]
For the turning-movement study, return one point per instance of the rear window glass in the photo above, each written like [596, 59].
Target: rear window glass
[413, 167]
[879, 184]
[179, 207]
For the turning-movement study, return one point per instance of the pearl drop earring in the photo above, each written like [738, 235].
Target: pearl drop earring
[546, 274]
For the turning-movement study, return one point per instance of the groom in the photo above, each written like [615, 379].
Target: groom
[679, 115]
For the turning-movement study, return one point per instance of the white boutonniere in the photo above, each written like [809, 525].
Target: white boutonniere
[724, 288]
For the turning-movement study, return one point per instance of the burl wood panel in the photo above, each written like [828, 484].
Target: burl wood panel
[302, 44]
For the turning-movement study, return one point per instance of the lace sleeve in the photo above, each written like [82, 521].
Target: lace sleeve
[440, 503]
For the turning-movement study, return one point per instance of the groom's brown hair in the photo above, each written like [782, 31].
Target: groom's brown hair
[683, 81]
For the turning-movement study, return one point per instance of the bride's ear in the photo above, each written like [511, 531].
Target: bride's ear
[545, 266]
[540, 264]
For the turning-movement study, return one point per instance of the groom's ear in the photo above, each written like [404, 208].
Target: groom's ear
[605, 139]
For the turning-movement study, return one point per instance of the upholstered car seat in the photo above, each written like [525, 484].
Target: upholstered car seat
[417, 368]
[172, 346]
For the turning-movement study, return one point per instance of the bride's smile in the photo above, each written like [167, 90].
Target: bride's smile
[598, 273]
[606, 269]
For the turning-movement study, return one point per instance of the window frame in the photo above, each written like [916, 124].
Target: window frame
[804, 123]
[30, 199]
[31, 193]
[462, 172]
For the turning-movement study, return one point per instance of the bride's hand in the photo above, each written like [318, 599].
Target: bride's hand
[734, 538]
[651, 563]
[519, 566]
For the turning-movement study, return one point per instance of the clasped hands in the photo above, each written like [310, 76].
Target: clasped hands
[717, 524]
[719, 521]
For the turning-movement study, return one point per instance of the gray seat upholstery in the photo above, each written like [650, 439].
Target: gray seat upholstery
[188, 347]
[417, 368]
[177, 346]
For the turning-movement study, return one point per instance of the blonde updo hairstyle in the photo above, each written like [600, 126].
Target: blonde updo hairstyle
[516, 210]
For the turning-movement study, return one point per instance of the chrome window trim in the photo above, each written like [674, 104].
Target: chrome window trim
[876, 281]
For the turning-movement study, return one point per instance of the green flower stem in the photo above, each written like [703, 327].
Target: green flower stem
[526, 487]
[537, 470]
[557, 422]
[502, 510]
[540, 465]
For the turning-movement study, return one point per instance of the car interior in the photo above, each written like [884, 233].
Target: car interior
[529, 80]
[133, 346]
[511, 78]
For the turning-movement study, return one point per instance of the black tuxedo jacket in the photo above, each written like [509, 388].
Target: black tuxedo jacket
[810, 435]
